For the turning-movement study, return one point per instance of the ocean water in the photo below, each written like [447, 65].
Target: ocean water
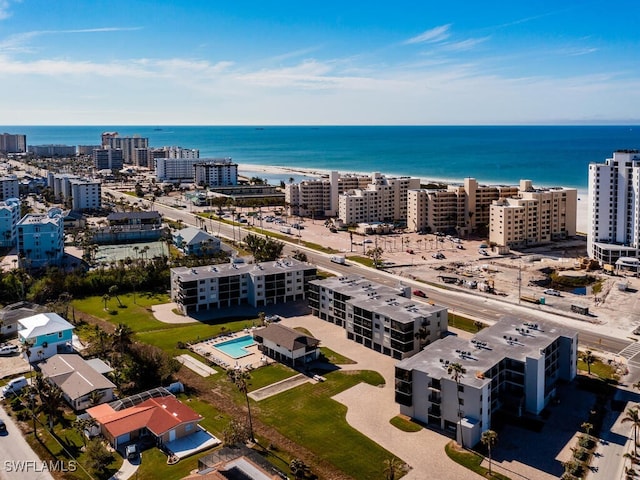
[547, 155]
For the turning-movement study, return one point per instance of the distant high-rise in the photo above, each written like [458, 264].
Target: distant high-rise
[128, 145]
[13, 143]
[9, 187]
[614, 208]
[107, 159]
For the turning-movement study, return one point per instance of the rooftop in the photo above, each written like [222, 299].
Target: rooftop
[508, 338]
[221, 270]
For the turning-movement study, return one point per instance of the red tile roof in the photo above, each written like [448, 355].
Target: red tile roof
[158, 415]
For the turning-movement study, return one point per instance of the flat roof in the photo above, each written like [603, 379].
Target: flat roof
[226, 269]
[400, 309]
[508, 338]
[355, 285]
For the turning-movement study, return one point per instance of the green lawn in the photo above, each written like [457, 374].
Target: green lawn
[405, 425]
[308, 416]
[602, 370]
[472, 461]
[335, 357]
[466, 324]
[263, 376]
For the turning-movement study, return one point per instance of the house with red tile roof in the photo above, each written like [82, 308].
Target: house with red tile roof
[164, 418]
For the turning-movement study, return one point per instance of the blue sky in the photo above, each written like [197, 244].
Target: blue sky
[208, 62]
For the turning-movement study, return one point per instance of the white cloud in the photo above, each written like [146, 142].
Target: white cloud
[462, 45]
[4, 9]
[436, 34]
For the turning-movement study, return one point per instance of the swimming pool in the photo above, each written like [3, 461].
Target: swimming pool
[236, 348]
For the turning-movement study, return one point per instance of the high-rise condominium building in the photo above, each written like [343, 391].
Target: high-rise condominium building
[13, 143]
[614, 208]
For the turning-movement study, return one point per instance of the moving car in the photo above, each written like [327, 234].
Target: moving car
[552, 292]
[419, 293]
[3, 427]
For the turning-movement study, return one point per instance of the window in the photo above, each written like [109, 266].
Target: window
[461, 401]
[461, 388]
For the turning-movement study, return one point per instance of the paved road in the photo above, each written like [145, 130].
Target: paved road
[473, 305]
[18, 460]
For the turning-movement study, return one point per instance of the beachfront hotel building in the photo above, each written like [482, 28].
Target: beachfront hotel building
[381, 318]
[534, 217]
[461, 208]
[227, 285]
[185, 170]
[13, 143]
[9, 216]
[52, 150]
[9, 187]
[319, 197]
[383, 200]
[512, 366]
[41, 239]
[107, 159]
[128, 145]
[614, 208]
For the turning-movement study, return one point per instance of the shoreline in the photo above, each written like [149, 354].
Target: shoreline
[313, 173]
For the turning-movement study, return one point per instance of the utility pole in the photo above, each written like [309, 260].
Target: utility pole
[519, 282]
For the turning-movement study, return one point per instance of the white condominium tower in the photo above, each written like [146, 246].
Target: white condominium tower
[614, 207]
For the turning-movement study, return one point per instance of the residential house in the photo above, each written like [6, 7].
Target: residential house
[44, 335]
[193, 241]
[287, 345]
[163, 417]
[10, 314]
[82, 386]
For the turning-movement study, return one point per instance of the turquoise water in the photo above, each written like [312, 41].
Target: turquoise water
[548, 155]
[236, 348]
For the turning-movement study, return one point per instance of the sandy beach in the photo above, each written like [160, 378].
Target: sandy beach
[582, 207]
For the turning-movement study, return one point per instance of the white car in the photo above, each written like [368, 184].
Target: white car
[552, 292]
[9, 349]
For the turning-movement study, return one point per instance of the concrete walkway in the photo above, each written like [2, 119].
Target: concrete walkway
[195, 365]
[127, 470]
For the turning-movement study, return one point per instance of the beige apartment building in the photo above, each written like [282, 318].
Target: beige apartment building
[534, 217]
[464, 208]
[383, 200]
[318, 198]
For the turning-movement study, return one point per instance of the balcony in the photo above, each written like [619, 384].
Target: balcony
[434, 411]
[435, 398]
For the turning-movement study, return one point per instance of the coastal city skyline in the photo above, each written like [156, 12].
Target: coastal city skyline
[284, 64]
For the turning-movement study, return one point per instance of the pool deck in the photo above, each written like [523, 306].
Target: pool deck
[254, 358]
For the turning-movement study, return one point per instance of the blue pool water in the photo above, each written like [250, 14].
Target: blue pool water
[236, 348]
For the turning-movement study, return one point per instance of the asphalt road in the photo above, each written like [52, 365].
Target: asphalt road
[474, 305]
[18, 460]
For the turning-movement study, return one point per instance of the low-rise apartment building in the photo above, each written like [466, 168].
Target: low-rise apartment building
[512, 365]
[534, 217]
[227, 285]
[9, 217]
[41, 239]
[382, 318]
[76, 192]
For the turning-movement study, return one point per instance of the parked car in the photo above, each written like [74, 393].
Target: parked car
[552, 292]
[131, 452]
[410, 251]
[14, 386]
[459, 246]
[9, 349]
[438, 256]
[368, 240]
[482, 251]
[419, 293]
[3, 427]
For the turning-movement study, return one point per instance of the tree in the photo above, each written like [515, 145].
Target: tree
[113, 291]
[105, 299]
[239, 378]
[298, 468]
[81, 425]
[633, 418]
[457, 371]
[588, 358]
[51, 399]
[121, 337]
[98, 457]
[587, 427]
[376, 255]
[489, 439]
[263, 249]
[235, 433]
[298, 255]
[392, 467]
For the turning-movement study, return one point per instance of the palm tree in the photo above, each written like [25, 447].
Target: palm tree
[588, 358]
[298, 468]
[392, 467]
[121, 337]
[489, 439]
[239, 378]
[113, 291]
[587, 427]
[51, 399]
[634, 418]
[457, 371]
